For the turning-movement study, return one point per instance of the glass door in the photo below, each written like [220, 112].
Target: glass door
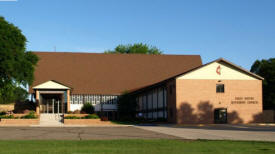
[51, 104]
[220, 116]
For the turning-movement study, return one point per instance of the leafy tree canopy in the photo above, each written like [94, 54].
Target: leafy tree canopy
[137, 48]
[266, 69]
[16, 65]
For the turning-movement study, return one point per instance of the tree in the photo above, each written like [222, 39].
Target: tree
[88, 108]
[266, 69]
[20, 94]
[135, 49]
[16, 65]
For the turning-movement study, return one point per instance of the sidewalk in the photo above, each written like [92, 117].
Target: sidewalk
[217, 132]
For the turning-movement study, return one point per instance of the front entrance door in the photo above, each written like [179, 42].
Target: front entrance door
[51, 103]
[220, 116]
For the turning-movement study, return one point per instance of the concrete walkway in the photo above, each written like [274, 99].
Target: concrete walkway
[51, 120]
[217, 132]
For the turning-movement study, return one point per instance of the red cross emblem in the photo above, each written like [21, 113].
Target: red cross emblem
[218, 70]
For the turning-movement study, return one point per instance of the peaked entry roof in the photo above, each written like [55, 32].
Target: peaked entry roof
[98, 73]
[51, 85]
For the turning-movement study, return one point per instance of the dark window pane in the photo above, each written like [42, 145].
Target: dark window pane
[220, 88]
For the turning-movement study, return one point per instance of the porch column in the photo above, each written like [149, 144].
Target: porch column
[37, 102]
[68, 100]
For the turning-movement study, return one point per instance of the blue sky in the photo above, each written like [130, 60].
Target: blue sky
[238, 30]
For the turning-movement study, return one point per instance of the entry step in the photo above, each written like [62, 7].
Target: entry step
[51, 119]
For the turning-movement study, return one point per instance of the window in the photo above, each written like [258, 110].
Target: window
[220, 88]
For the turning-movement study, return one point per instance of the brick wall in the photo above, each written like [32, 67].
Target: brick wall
[19, 122]
[6, 107]
[197, 99]
[86, 122]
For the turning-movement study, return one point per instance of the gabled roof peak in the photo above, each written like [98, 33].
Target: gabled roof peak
[51, 84]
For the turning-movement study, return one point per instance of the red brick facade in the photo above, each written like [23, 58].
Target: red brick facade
[86, 122]
[21, 122]
[197, 99]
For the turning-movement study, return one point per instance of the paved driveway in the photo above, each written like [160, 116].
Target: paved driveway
[212, 132]
[78, 133]
[217, 132]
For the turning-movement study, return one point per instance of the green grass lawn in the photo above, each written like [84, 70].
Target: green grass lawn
[136, 146]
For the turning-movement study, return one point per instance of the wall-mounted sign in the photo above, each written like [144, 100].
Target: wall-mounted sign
[218, 70]
[244, 100]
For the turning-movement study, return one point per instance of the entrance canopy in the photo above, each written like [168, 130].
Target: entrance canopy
[51, 85]
[52, 97]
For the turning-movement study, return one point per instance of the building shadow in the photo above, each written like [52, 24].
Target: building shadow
[186, 115]
[233, 118]
[267, 116]
[203, 114]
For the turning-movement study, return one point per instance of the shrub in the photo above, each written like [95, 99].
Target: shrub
[72, 117]
[70, 112]
[26, 111]
[3, 113]
[31, 115]
[8, 117]
[76, 112]
[88, 108]
[24, 106]
[91, 116]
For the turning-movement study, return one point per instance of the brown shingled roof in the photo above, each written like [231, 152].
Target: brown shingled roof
[98, 73]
